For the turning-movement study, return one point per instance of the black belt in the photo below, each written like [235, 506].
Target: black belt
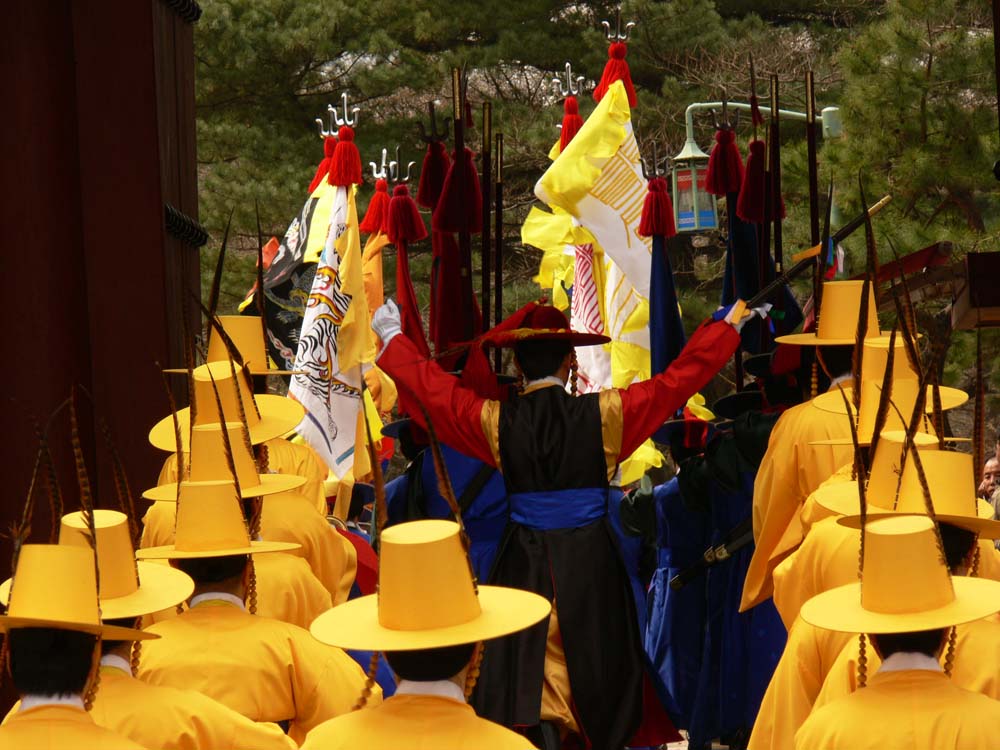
[740, 536]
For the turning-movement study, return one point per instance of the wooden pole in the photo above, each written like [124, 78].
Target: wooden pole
[498, 245]
[485, 261]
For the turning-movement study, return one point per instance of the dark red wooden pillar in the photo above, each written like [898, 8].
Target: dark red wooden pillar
[97, 138]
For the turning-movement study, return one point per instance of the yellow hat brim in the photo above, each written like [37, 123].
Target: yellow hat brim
[170, 551]
[811, 339]
[355, 624]
[270, 484]
[278, 415]
[983, 524]
[107, 632]
[160, 587]
[254, 370]
[840, 609]
[833, 402]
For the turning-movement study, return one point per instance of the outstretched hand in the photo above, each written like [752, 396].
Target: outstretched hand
[386, 322]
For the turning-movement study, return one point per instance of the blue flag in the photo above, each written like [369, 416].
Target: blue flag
[666, 332]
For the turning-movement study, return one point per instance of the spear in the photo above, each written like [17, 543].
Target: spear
[498, 244]
[486, 151]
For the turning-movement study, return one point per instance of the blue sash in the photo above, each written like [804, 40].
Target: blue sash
[558, 509]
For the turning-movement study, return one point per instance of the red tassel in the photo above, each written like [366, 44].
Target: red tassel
[616, 69]
[657, 211]
[755, 115]
[572, 122]
[410, 320]
[378, 208]
[460, 208]
[750, 204]
[404, 222]
[725, 165]
[329, 144]
[432, 174]
[345, 164]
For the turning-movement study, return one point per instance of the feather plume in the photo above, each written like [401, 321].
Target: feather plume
[861, 478]
[83, 482]
[189, 365]
[860, 334]
[53, 491]
[444, 485]
[925, 490]
[871, 259]
[821, 266]
[907, 327]
[979, 418]
[182, 469]
[123, 492]
[381, 510]
[213, 295]
[226, 445]
[908, 310]
[21, 530]
[216, 327]
[885, 395]
[244, 425]
[259, 297]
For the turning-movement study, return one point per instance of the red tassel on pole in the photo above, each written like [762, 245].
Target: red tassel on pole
[460, 210]
[616, 69]
[376, 217]
[750, 204]
[572, 122]
[329, 144]
[725, 165]
[432, 174]
[657, 211]
[404, 221]
[345, 164]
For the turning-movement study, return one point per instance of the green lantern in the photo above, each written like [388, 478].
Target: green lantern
[695, 208]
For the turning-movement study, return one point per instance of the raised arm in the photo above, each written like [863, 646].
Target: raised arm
[459, 415]
[647, 405]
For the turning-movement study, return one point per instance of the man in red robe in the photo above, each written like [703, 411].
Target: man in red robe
[558, 454]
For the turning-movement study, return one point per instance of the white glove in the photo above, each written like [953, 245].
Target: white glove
[748, 314]
[386, 322]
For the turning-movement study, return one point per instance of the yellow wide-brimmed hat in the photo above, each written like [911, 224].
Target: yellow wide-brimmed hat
[905, 386]
[839, 309]
[951, 480]
[904, 587]
[55, 586]
[267, 416]
[210, 523]
[128, 588]
[426, 598]
[247, 335]
[208, 463]
[883, 477]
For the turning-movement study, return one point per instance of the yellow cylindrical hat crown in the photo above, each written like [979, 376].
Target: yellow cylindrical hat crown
[839, 310]
[425, 581]
[208, 455]
[115, 555]
[210, 517]
[247, 334]
[903, 570]
[57, 583]
[876, 358]
[904, 397]
[231, 392]
[884, 477]
[951, 480]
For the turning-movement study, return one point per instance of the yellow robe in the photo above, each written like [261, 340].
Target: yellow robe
[415, 722]
[977, 654]
[58, 728]
[265, 669]
[913, 709]
[287, 590]
[162, 718]
[789, 472]
[809, 655]
[827, 558]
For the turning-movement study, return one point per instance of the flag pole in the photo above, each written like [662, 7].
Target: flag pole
[485, 261]
[498, 247]
[464, 238]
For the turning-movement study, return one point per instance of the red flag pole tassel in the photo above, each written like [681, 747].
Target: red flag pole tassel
[657, 211]
[616, 69]
[329, 144]
[404, 226]
[376, 217]
[345, 164]
[572, 122]
[725, 165]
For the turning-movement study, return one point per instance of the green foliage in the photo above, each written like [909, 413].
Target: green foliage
[913, 80]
